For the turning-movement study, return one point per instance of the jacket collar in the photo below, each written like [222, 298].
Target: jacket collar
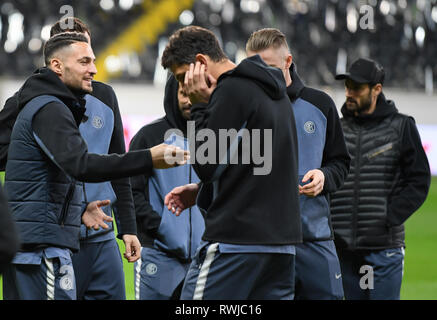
[295, 89]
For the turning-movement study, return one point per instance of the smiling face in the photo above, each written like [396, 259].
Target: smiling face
[80, 68]
[75, 66]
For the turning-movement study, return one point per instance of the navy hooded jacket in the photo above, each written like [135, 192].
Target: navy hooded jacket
[157, 226]
[48, 151]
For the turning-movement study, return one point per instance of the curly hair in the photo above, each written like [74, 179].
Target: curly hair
[185, 43]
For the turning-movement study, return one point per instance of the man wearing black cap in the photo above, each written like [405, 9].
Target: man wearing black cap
[388, 181]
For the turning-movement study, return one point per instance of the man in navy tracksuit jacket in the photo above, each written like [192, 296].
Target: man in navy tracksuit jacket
[46, 157]
[252, 221]
[102, 129]
[98, 266]
[322, 146]
[168, 242]
[323, 166]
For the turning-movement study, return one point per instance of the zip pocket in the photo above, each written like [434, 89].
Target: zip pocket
[66, 205]
[372, 154]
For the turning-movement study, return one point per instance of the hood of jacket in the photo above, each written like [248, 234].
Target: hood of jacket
[171, 106]
[295, 89]
[45, 82]
[270, 79]
[384, 108]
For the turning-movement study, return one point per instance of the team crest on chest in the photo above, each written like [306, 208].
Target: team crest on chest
[151, 268]
[309, 127]
[97, 122]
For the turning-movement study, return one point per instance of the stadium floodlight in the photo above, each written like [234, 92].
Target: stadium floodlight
[34, 44]
[126, 4]
[352, 18]
[250, 6]
[186, 17]
[434, 14]
[420, 36]
[113, 64]
[106, 4]
[45, 32]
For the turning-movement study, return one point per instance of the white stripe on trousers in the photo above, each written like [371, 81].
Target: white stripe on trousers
[137, 279]
[50, 278]
[204, 270]
[403, 260]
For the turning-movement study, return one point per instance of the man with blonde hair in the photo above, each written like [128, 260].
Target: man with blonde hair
[323, 166]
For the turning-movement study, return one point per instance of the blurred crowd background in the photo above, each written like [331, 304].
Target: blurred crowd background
[325, 36]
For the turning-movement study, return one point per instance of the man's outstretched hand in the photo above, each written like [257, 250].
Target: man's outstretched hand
[165, 156]
[181, 198]
[94, 217]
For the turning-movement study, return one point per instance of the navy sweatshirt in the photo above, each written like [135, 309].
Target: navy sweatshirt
[157, 226]
[321, 146]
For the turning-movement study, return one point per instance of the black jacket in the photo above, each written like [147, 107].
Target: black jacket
[8, 115]
[55, 124]
[248, 206]
[104, 93]
[9, 242]
[388, 181]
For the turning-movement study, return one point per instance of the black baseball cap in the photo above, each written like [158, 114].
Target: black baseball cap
[364, 71]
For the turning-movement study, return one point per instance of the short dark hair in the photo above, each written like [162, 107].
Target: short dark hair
[78, 26]
[185, 43]
[266, 38]
[59, 41]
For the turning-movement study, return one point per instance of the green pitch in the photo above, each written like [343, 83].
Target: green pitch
[420, 270]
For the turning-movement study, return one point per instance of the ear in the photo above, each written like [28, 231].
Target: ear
[56, 66]
[288, 61]
[202, 59]
[377, 89]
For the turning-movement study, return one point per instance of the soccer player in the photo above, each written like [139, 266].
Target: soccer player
[168, 242]
[98, 266]
[252, 218]
[323, 166]
[102, 129]
[47, 156]
[388, 182]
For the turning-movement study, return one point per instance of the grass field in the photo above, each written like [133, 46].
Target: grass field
[420, 269]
